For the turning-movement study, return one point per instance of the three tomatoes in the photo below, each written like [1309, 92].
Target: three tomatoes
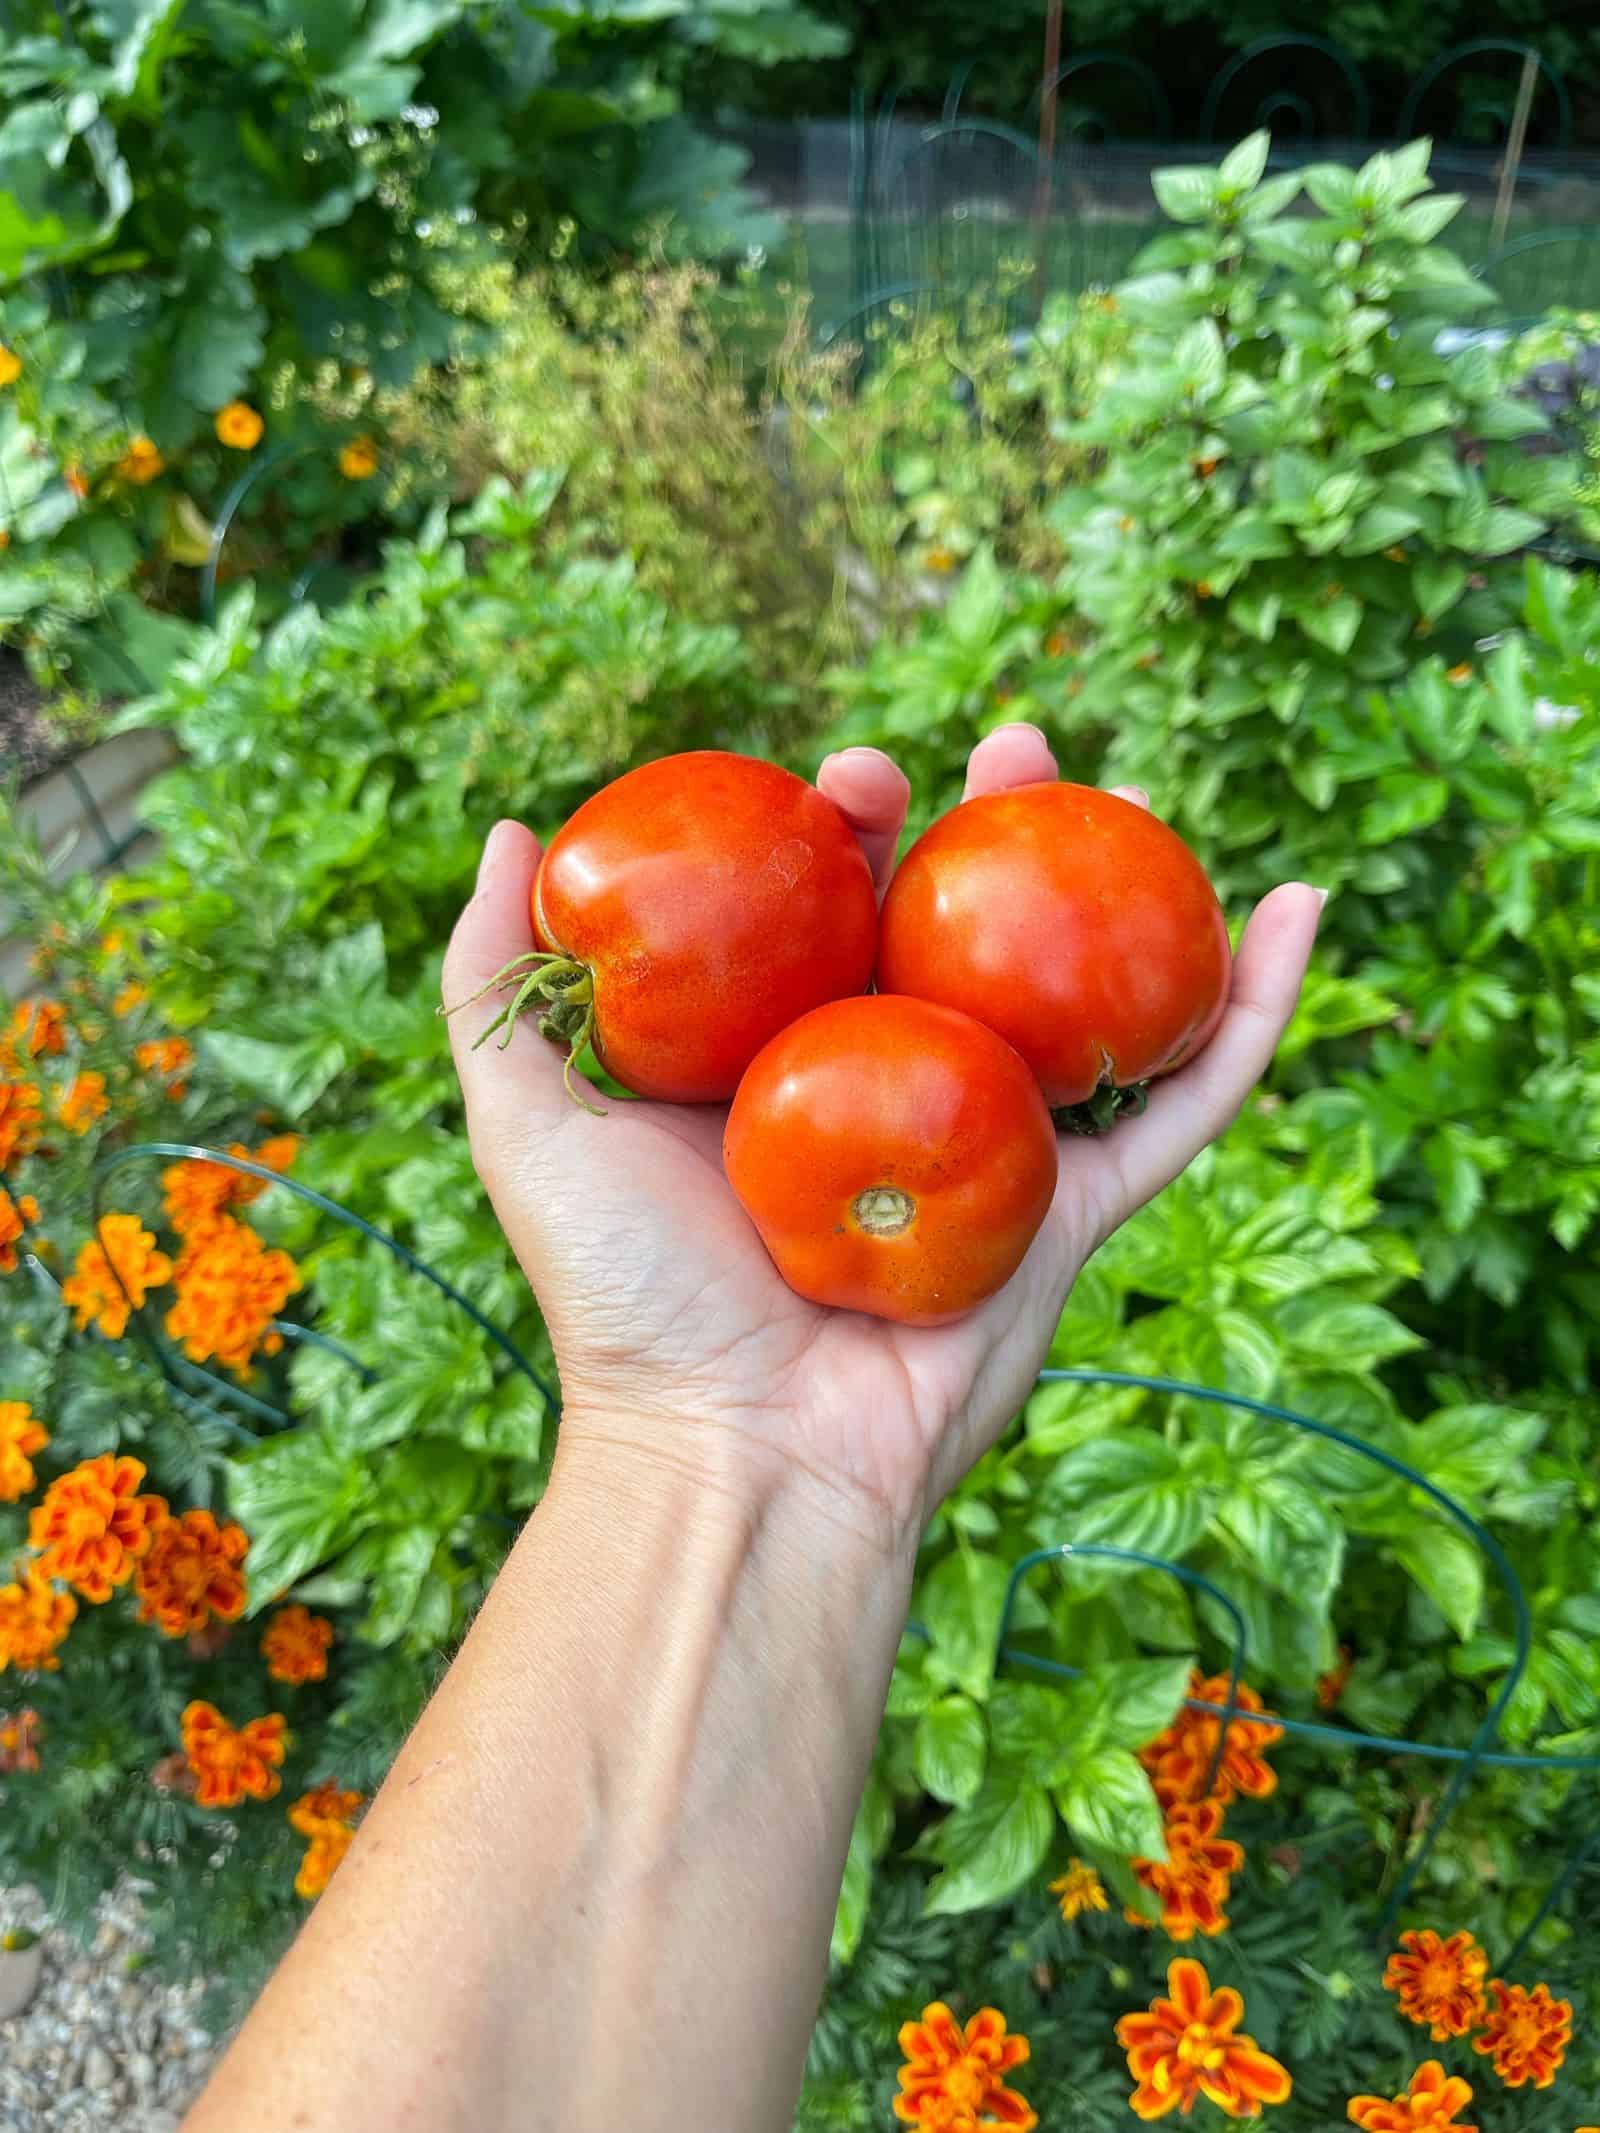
[708, 922]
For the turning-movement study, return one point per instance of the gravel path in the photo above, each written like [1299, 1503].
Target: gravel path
[101, 2047]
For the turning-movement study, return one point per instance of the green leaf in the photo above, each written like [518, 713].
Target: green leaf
[1131, 1491]
[990, 1848]
[1437, 581]
[1198, 357]
[299, 1497]
[1351, 1335]
[1109, 1803]
[1333, 623]
[978, 605]
[1140, 1696]
[1380, 526]
[289, 1077]
[951, 1749]
[1404, 803]
[402, 1560]
[1243, 167]
[1422, 221]
[1507, 528]
[960, 1603]
[1291, 1540]
[1186, 193]
[1450, 1571]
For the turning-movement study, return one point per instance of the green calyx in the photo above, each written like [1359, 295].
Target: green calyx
[564, 992]
[1099, 1113]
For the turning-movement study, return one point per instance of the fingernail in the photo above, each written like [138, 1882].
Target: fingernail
[486, 856]
[843, 755]
[1322, 898]
[1140, 794]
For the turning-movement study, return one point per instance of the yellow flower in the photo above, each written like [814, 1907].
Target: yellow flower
[1188, 2046]
[141, 462]
[10, 366]
[20, 1435]
[359, 459]
[1080, 1889]
[238, 426]
[939, 558]
[955, 2078]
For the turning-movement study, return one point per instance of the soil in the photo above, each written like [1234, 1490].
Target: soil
[29, 742]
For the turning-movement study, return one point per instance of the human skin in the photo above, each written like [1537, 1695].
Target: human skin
[596, 1888]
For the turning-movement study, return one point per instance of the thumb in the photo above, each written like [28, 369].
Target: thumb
[519, 1085]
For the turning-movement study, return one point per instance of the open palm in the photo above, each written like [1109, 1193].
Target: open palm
[669, 1323]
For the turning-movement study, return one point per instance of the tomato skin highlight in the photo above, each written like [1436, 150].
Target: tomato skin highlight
[1073, 923]
[713, 898]
[896, 1157]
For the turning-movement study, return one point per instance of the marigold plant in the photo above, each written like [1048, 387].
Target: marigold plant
[230, 1288]
[15, 1214]
[10, 365]
[19, 1741]
[230, 1763]
[168, 1057]
[1180, 1760]
[114, 1273]
[238, 426]
[83, 1102]
[358, 460]
[1188, 2046]
[38, 1027]
[19, 1121]
[92, 1526]
[1429, 2105]
[1525, 2035]
[196, 1194]
[21, 1434]
[191, 1573]
[34, 1620]
[1080, 1889]
[327, 1817]
[295, 1645]
[1439, 1983]
[141, 462]
[954, 2078]
[1194, 1880]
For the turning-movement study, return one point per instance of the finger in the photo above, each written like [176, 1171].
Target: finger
[493, 930]
[872, 792]
[1135, 794]
[1189, 1110]
[1012, 755]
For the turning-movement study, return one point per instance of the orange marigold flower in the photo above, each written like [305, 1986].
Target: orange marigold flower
[91, 1526]
[1180, 1759]
[141, 462]
[1194, 1879]
[129, 997]
[197, 1195]
[84, 1102]
[15, 1214]
[1332, 1685]
[76, 480]
[37, 1027]
[1080, 1889]
[358, 461]
[1205, 468]
[10, 365]
[170, 1057]
[326, 1817]
[953, 2078]
[939, 558]
[19, 1121]
[192, 1573]
[230, 1763]
[230, 1288]
[34, 1620]
[295, 1645]
[19, 1741]
[1202, 589]
[1188, 2047]
[1439, 1983]
[238, 426]
[1461, 672]
[114, 1273]
[20, 1435]
[1526, 2034]
[1429, 2105]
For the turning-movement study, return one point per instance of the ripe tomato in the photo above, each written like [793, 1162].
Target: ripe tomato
[1073, 923]
[896, 1157]
[688, 912]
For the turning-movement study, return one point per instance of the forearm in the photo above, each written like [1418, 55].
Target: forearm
[597, 1887]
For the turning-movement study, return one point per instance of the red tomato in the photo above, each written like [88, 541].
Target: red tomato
[896, 1157]
[1073, 923]
[701, 904]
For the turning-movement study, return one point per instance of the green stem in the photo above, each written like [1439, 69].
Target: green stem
[1099, 1113]
[564, 991]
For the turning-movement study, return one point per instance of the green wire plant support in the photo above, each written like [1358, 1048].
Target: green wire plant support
[200, 1388]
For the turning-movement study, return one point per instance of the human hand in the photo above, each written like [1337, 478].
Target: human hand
[673, 1332]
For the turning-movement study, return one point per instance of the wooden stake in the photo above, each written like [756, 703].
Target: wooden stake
[1044, 188]
[1514, 144]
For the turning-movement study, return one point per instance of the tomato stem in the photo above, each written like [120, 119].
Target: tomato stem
[565, 989]
[1099, 1113]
